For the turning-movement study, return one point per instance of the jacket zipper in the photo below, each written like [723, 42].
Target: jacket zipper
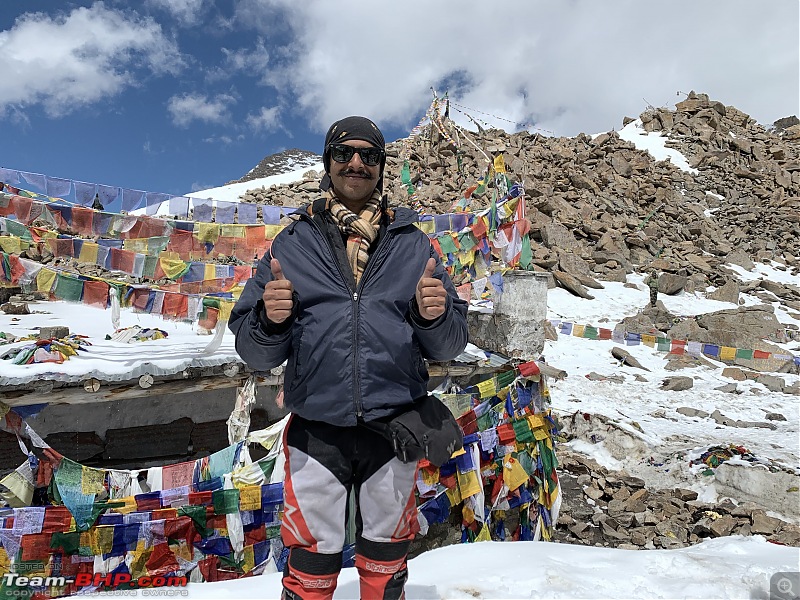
[355, 295]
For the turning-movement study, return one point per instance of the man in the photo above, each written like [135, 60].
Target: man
[652, 282]
[353, 297]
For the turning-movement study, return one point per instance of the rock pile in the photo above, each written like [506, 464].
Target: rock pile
[599, 207]
[604, 508]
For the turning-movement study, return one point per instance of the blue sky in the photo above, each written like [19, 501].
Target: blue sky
[178, 95]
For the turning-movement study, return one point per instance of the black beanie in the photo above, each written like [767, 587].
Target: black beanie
[351, 128]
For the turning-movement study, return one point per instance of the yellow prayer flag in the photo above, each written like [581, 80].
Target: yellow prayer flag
[727, 353]
[105, 538]
[206, 232]
[468, 483]
[5, 563]
[649, 340]
[136, 245]
[467, 514]
[250, 497]
[225, 309]
[88, 539]
[453, 495]
[92, 480]
[234, 231]
[270, 231]
[427, 226]
[172, 267]
[429, 477]
[248, 559]
[499, 164]
[180, 549]
[487, 388]
[541, 433]
[138, 564]
[11, 245]
[210, 271]
[513, 473]
[89, 252]
[45, 280]
[578, 330]
[484, 535]
[129, 505]
[467, 258]
[536, 421]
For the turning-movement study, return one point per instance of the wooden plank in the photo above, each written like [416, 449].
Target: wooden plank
[107, 392]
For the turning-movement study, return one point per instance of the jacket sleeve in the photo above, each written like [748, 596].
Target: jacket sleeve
[260, 343]
[446, 337]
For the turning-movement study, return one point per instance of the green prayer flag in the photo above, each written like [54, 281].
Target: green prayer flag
[447, 244]
[19, 230]
[744, 353]
[267, 466]
[68, 288]
[590, 332]
[197, 513]
[226, 502]
[211, 301]
[150, 263]
[467, 241]
[157, 244]
[522, 431]
[663, 344]
[505, 378]
[68, 543]
[526, 256]
[527, 463]
[487, 420]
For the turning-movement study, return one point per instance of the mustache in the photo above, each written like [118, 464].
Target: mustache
[347, 172]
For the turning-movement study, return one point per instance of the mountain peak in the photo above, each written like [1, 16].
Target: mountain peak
[281, 162]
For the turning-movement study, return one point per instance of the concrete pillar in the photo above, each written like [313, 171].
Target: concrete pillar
[515, 329]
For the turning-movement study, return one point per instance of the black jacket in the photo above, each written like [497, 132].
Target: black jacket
[349, 352]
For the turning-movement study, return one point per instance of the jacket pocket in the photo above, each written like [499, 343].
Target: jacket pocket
[296, 359]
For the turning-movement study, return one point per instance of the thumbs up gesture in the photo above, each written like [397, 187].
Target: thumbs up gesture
[278, 294]
[431, 295]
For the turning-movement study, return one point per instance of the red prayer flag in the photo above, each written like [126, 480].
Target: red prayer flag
[82, 218]
[527, 369]
[56, 518]
[761, 354]
[200, 498]
[479, 228]
[22, 208]
[161, 561]
[95, 293]
[122, 260]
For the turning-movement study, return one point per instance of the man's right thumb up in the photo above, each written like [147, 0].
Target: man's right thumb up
[277, 272]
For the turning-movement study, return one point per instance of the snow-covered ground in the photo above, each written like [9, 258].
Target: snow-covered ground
[731, 567]
[650, 439]
[654, 143]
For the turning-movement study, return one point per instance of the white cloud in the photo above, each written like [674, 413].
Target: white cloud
[265, 120]
[197, 107]
[75, 59]
[253, 62]
[186, 12]
[567, 66]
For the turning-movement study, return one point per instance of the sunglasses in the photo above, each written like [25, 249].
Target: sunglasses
[342, 153]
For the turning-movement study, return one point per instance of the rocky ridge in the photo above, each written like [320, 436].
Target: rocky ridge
[282, 162]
